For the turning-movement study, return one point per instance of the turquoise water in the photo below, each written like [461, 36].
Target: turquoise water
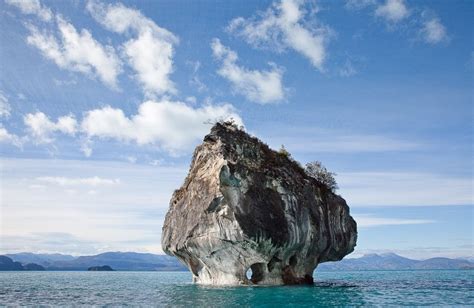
[379, 288]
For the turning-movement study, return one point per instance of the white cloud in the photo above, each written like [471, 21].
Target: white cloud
[258, 86]
[6, 137]
[32, 7]
[404, 188]
[150, 52]
[86, 147]
[5, 107]
[152, 60]
[70, 181]
[42, 128]
[77, 51]
[66, 124]
[392, 10]
[173, 126]
[358, 4]
[367, 220]
[433, 31]
[283, 26]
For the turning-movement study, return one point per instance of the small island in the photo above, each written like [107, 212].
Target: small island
[104, 268]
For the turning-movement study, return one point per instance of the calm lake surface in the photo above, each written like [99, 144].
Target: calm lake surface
[379, 288]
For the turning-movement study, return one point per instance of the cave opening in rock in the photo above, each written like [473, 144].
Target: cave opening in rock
[273, 262]
[293, 261]
[255, 272]
[195, 266]
[248, 273]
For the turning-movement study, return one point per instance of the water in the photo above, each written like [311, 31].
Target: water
[379, 288]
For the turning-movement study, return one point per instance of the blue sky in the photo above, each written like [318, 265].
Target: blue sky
[102, 104]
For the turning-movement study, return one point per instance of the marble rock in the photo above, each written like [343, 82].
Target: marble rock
[246, 208]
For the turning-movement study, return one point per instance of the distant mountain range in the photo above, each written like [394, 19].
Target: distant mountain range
[133, 261]
[7, 264]
[120, 261]
[391, 261]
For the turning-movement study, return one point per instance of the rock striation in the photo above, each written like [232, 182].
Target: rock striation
[244, 206]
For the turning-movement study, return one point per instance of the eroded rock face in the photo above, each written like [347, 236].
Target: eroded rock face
[245, 206]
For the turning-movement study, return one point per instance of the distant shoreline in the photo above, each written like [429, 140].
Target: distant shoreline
[146, 262]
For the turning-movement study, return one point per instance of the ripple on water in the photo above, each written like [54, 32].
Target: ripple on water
[174, 289]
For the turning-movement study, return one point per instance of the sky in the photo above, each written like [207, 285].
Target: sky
[102, 104]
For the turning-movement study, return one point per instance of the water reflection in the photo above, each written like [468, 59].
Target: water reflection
[321, 294]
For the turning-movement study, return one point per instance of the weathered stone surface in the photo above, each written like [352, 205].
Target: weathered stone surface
[245, 206]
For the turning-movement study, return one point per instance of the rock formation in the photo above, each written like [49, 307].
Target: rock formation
[244, 206]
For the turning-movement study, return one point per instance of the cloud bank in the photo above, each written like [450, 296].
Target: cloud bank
[172, 126]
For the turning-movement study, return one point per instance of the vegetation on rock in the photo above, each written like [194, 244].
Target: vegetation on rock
[317, 171]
